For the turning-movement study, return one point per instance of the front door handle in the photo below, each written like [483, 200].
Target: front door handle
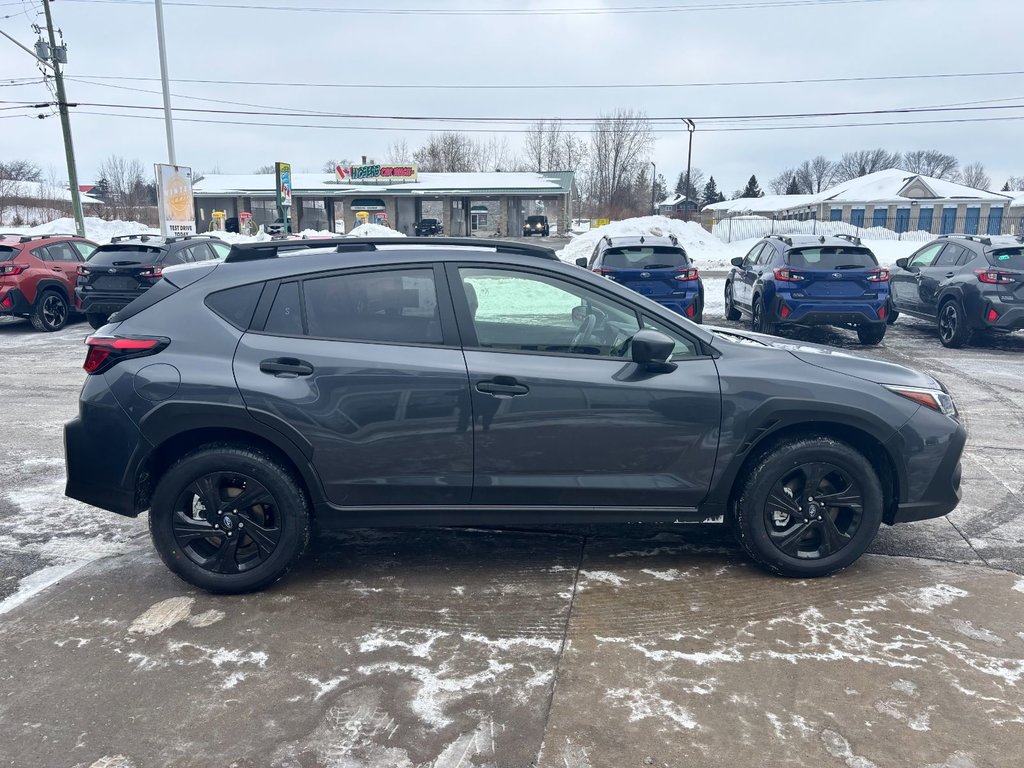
[502, 386]
[286, 367]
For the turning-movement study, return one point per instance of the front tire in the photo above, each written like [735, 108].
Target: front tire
[731, 313]
[96, 319]
[229, 519]
[871, 334]
[954, 332]
[50, 312]
[810, 507]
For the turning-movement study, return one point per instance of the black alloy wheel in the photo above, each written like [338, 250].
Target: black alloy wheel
[952, 325]
[813, 511]
[51, 314]
[226, 522]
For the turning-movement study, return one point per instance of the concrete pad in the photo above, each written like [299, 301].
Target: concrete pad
[401, 649]
[702, 661]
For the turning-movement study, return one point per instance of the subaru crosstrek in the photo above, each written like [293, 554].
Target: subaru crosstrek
[37, 277]
[656, 267]
[384, 383]
[805, 280]
[964, 284]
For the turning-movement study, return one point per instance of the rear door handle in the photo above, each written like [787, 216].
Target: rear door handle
[502, 386]
[951, 274]
[286, 367]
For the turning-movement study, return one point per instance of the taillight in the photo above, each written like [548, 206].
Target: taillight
[602, 272]
[686, 274]
[153, 273]
[878, 276]
[82, 271]
[12, 269]
[105, 351]
[994, 276]
[787, 275]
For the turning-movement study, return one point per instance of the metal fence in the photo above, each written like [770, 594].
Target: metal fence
[745, 227]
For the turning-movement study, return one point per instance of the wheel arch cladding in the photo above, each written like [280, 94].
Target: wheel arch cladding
[174, 447]
[861, 440]
[52, 285]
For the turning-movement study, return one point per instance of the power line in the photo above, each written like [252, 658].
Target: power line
[568, 86]
[593, 11]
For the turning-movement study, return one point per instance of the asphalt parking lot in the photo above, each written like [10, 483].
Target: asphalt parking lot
[570, 647]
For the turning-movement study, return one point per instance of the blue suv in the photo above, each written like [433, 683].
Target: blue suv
[656, 267]
[806, 280]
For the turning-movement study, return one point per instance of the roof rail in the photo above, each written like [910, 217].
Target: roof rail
[144, 237]
[178, 238]
[673, 239]
[787, 240]
[972, 238]
[852, 238]
[272, 249]
[29, 238]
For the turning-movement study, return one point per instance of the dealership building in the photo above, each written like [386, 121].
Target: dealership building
[395, 195]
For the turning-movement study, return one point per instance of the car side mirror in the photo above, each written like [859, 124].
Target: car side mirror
[903, 263]
[736, 261]
[581, 262]
[652, 349]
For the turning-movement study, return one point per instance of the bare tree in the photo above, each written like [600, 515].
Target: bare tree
[620, 144]
[265, 169]
[931, 162]
[815, 175]
[447, 152]
[974, 175]
[535, 145]
[20, 170]
[864, 161]
[398, 152]
[781, 184]
[1014, 184]
[127, 187]
[494, 154]
[696, 184]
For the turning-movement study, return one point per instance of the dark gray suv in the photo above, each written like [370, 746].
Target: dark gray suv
[384, 383]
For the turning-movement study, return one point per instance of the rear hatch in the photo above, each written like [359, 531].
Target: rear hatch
[122, 268]
[1007, 264]
[658, 271]
[833, 272]
[7, 253]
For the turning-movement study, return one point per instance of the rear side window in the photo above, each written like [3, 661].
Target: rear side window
[6, 254]
[834, 257]
[160, 291]
[236, 305]
[285, 316]
[396, 306]
[1007, 258]
[124, 255]
[62, 252]
[951, 256]
[644, 257]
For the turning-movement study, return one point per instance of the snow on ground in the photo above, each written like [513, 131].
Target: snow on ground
[374, 230]
[748, 227]
[707, 250]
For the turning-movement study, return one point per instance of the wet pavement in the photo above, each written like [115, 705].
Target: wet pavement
[574, 647]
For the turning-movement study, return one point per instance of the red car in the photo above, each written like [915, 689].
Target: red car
[37, 277]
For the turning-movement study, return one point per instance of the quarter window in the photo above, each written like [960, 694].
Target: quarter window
[524, 312]
[396, 306]
[285, 316]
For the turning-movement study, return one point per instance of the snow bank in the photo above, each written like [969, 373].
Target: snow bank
[96, 229]
[746, 227]
[707, 250]
[374, 230]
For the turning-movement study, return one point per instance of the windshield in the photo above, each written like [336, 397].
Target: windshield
[645, 257]
[123, 255]
[536, 219]
[1005, 258]
[835, 257]
[428, 221]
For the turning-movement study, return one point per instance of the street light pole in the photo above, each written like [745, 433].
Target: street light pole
[65, 124]
[162, 46]
[654, 181]
[690, 127]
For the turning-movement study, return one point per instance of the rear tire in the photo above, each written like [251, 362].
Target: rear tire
[760, 319]
[50, 312]
[871, 334]
[821, 538]
[731, 313]
[893, 315]
[96, 319]
[214, 550]
[951, 321]
[698, 311]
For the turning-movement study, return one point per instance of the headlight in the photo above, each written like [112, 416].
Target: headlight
[935, 399]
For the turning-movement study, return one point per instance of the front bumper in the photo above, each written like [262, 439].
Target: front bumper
[930, 445]
[13, 302]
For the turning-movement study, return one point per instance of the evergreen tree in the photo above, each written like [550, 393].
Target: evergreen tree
[752, 189]
[1006, 187]
[793, 188]
[710, 194]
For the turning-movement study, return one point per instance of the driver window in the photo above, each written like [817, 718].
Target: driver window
[524, 312]
[684, 347]
[926, 256]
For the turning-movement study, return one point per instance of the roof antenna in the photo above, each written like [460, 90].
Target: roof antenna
[641, 239]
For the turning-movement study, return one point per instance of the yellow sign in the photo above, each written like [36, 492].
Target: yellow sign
[176, 208]
[602, 222]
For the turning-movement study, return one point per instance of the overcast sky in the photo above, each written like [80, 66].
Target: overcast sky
[859, 38]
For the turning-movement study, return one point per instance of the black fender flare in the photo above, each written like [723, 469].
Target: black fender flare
[48, 284]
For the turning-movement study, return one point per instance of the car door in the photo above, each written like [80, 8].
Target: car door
[366, 366]
[62, 260]
[904, 283]
[561, 416]
[748, 274]
[934, 276]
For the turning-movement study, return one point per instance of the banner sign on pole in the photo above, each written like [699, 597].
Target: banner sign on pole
[175, 204]
[283, 175]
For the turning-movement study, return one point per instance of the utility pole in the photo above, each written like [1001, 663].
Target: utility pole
[162, 46]
[65, 123]
[690, 127]
[654, 182]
